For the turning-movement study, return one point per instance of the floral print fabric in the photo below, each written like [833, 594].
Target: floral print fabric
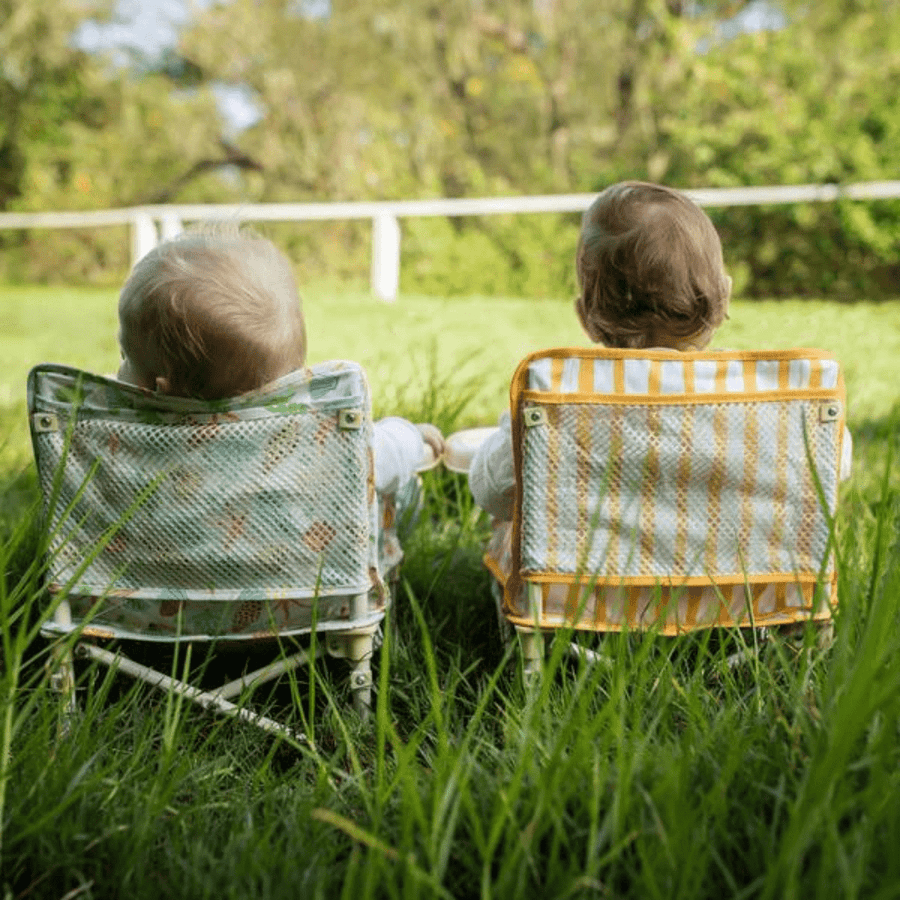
[173, 518]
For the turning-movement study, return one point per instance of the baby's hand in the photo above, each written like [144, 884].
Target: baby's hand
[434, 444]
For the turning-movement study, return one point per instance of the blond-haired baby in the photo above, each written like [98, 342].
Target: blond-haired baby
[210, 314]
[215, 313]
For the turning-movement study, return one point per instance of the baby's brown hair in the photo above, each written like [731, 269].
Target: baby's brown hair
[650, 270]
[211, 314]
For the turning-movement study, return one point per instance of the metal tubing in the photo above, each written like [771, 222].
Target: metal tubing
[205, 699]
[264, 674]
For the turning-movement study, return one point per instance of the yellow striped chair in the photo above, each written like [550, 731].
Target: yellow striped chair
[672, 491]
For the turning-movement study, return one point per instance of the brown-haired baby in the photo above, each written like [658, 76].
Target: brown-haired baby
[650, 275]
[215, 313]
[650, 270]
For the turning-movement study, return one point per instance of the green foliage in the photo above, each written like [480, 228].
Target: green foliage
[665, 772]
[784, 107]
[387, 100]
[43, 84]
[79, 131]
[527, 256]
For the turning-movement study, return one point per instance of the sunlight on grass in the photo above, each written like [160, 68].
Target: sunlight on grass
[473, 338]
[462, 351]
[668, 773]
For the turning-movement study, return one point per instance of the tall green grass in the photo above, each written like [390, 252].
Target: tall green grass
[669, 773]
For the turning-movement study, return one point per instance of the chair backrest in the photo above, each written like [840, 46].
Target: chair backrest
[674, 490]
[177, 519]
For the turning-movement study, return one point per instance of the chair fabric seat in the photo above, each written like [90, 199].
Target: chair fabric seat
[672, 490]
[177, 519]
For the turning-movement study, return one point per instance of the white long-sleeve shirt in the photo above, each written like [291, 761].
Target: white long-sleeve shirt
[492, 477]
[399, 451]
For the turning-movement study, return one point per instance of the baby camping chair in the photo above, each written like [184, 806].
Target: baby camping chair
[179, 520]
[670, 491]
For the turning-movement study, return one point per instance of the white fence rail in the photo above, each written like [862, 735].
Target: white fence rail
[150, 224]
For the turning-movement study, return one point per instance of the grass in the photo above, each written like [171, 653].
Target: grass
[668, 774]
[476, 338]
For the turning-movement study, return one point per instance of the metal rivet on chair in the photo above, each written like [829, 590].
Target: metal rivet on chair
[534, 415]
[350, 419]
[43, 422]
[829, 411]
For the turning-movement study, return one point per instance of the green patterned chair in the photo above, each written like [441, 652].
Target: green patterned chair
[177, 520]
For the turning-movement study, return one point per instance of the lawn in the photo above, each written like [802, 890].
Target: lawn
[460, 345]
[667, 774]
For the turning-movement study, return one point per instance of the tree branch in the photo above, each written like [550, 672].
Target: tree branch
[232, 156]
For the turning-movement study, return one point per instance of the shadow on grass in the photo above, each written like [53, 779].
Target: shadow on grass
[872, 441]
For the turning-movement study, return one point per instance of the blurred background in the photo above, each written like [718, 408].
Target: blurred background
[109, 104]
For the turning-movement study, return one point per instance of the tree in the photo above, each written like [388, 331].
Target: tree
[400, 98]
[804, 103]
[392, 98]
[82, 130]
[41, 82]
[419, 98]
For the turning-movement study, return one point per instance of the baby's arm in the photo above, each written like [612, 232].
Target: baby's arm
[434, 443]
[492, 477]
[400, 449]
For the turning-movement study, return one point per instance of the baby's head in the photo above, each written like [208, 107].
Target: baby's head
[650, 270]
[211, 314]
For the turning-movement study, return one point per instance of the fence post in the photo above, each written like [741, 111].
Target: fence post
[170, 226]
[385, 256]
[143, 236]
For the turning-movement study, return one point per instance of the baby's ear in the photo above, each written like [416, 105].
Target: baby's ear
[162, 385]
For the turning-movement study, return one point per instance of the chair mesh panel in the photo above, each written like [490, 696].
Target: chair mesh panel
[229, 504]
[225, 513]
[649, 490]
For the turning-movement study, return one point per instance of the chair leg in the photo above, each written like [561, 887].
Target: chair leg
[824, 632]
[266, 673]
[206, 699]
[532, 643]
[825, 635]
[507, 632]
[361, 682]
[740, 657]
[532, 639]
[62, 670]
[592, 657]
[360, 647]
[62, 681]
[357, 648]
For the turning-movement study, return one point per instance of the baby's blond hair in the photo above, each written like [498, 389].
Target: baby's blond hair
[215, 312]
[650, 269]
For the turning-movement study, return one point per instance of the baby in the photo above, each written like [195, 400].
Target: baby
[215, 313]
[650, 275]
[211, 314]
